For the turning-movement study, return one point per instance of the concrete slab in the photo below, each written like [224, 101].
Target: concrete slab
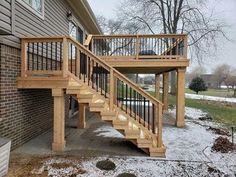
[88, 141]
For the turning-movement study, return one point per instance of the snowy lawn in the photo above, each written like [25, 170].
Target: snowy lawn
[188, 154]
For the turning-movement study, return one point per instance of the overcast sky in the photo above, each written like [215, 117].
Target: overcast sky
[226, 9]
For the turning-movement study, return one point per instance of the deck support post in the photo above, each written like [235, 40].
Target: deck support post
[58, 144]
[165, 91]
[81, 123]
[157, 86]
[180, 97]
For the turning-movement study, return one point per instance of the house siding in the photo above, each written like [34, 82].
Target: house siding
[5, 15]
[27, 24]
[26, 113]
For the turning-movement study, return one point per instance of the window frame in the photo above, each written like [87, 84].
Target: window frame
[31, 9]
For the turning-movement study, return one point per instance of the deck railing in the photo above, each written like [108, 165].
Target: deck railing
[63, 56]
[172, 46]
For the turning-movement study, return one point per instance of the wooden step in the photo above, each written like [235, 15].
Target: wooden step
[157, 152]
[85, 97]
[108, 115]
[144, 143]
[98, 108]
[132, 134]
[120, 125]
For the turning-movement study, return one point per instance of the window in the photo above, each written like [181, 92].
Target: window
[37, 6]
[72, 30]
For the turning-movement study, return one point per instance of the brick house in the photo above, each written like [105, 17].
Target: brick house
[25, 114]
[53, 56]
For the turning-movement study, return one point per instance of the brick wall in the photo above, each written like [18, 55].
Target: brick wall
[24, 114]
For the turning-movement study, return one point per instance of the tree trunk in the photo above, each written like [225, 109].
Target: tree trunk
[173, 83]
[234, 92]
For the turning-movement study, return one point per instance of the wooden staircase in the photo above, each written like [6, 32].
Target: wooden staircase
[63, 63]
[121, 121]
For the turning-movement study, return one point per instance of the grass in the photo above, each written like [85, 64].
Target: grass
[214, 92]
[221, 113]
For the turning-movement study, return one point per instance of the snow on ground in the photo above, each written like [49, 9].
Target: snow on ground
[210, 98]
[188, 153]
[108, 131]
[190, 144]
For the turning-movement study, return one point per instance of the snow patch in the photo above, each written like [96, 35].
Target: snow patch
[190, 113]
[108, 131]
[210, 98]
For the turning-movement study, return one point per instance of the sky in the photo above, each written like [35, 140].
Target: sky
[225, 10]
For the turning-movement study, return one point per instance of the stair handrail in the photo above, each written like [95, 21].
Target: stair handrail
[116, 72]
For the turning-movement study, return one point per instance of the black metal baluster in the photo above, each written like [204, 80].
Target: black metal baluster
[126, 98]
[89, 70]
[46, 55]
[148, 108]
[71, 58]
[28, 56]
[122, 91]
[42, 56]
[101, 82]
[92, 74]
[144, 110]
[97, 77]
[153, 119]
[85, 66]
[135, 102]
[60, 55]
[76, 58]
[32, 56]
[130, 101]
[117, 93]
[37, 56]
[51, 53]
[56, 56]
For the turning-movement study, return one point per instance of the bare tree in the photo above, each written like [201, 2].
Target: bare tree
[222, 74]
[196, 72]
[176, 16]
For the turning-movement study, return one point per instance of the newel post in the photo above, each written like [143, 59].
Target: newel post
[65, 57]
[185, 53]
[24, 58]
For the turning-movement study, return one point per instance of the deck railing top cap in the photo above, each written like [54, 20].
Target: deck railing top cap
[142, 35]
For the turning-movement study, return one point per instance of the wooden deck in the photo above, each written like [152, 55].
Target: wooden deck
[92, 75]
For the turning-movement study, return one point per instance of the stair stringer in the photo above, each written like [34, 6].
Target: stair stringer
[130, 128]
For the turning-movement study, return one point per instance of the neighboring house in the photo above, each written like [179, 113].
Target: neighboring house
[210, 80]
[53, 56]
[25, 114]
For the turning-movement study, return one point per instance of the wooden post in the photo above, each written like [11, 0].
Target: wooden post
[165, 91]
[137, 47]
[112, 88]
[59, 120]
[82, 117]
[24, 58]
[185, 53]
[65, 57]
[180, 98]
[157, 86]
[159, 135]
